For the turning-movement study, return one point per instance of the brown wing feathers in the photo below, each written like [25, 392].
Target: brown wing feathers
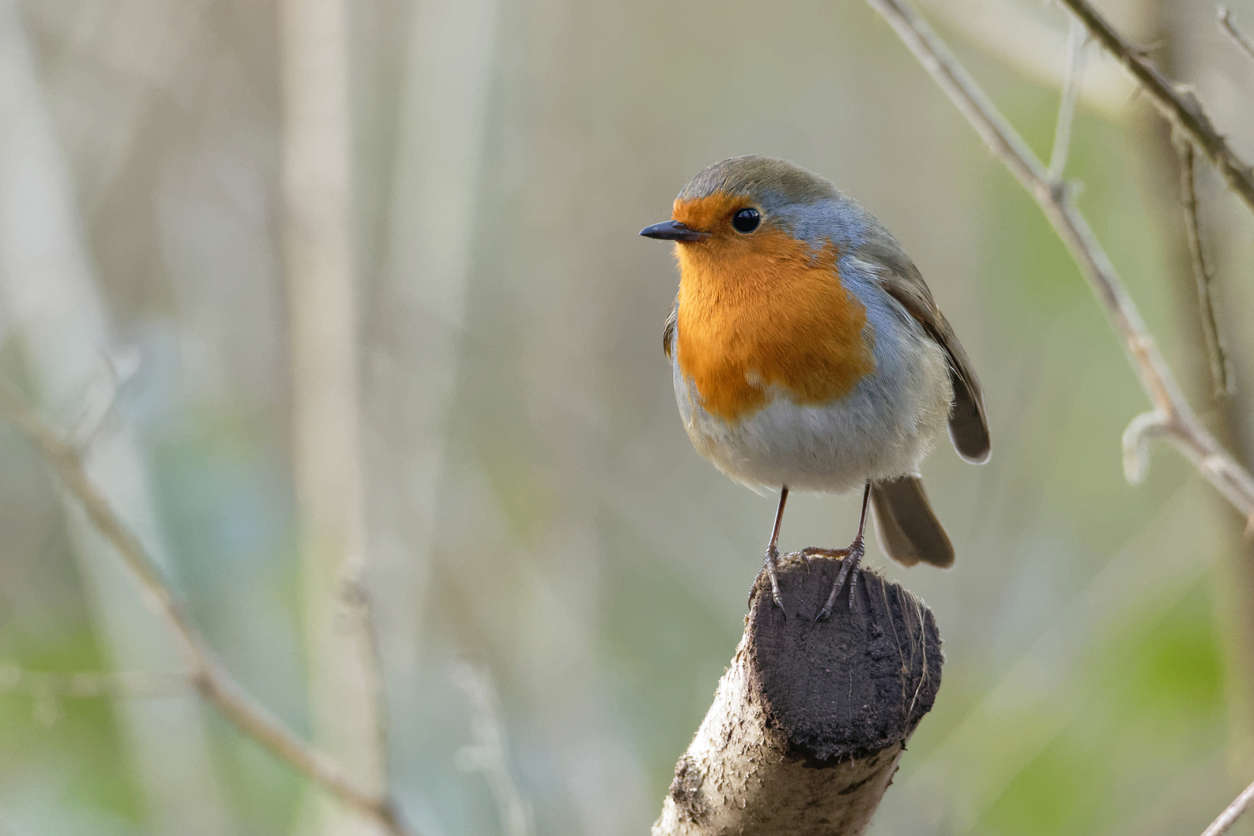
[968, 425]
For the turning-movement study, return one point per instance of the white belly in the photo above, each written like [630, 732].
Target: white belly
[881, 429]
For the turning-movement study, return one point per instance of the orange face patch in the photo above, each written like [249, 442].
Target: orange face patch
[709, 214]
[763, 310]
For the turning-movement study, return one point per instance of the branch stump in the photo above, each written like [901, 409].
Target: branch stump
[809, 721]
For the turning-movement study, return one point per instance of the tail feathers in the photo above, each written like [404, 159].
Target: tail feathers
[908, 529]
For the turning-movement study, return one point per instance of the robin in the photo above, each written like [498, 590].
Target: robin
[808, 354]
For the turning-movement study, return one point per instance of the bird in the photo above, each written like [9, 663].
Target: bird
[808, 354]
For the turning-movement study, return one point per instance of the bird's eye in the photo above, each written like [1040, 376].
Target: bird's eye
[746, 220]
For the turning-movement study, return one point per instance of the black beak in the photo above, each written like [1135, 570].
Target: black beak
[673, 231]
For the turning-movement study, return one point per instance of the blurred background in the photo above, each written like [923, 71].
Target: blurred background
[372, 285]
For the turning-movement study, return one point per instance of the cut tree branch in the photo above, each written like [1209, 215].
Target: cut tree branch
[1231, 813]
[208, 676]
[1178, 106]
[811, 718]
[1177, 420]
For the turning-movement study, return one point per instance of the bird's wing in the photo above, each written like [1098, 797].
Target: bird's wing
[968, 424]
[668, 333]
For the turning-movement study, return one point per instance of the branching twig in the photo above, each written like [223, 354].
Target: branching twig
[1231, 813]
[1013, 34]
[1220, 373]
[1178, 106]
[1077, 40]
[206, 673]
[1229, 25]
[1178, 422]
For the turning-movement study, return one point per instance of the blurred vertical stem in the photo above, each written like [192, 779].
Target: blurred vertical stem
[1164, 27]
[50, 299]
[428, 253]
[346, 689]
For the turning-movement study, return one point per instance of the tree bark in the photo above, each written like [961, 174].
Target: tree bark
[810, 720]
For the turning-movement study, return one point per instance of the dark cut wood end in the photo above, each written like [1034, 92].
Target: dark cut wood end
[850, 686]
[810, 719]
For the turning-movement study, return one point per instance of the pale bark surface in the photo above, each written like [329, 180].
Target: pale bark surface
[810, 719]
[345, 681]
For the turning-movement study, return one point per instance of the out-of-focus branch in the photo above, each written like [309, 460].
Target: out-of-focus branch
[99, 409]
[1231, 813]
[213, 682]
[1172, 416]
[1220, 373]
[92, 684]
[1240, 38]
[47, 690]
[1076, 42]
[487, 755]
[52, 295]
[1016, 36]
[1178, 106]
[346, 681]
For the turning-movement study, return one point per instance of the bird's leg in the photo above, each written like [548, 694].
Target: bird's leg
[849, 565]
[770, 562]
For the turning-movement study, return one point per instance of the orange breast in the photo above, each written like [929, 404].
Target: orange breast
[765, 311]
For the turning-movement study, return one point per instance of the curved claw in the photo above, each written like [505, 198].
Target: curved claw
[848, 569]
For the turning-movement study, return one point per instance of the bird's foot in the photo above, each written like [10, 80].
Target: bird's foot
[850, 559]
[770, 563]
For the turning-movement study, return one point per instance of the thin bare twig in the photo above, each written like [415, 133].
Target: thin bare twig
[1231, 813]
[1013, 33]
[1077, 40]
[1220, 373]
[1176, 418]
[100, 402]
[92, 684]
[1178, 106]
[208, 676]
[358, 606]
[48, 690]
[1136, 438]
[487, 754]
[1229, 25]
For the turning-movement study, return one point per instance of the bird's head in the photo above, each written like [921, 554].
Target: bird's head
[749, 209]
